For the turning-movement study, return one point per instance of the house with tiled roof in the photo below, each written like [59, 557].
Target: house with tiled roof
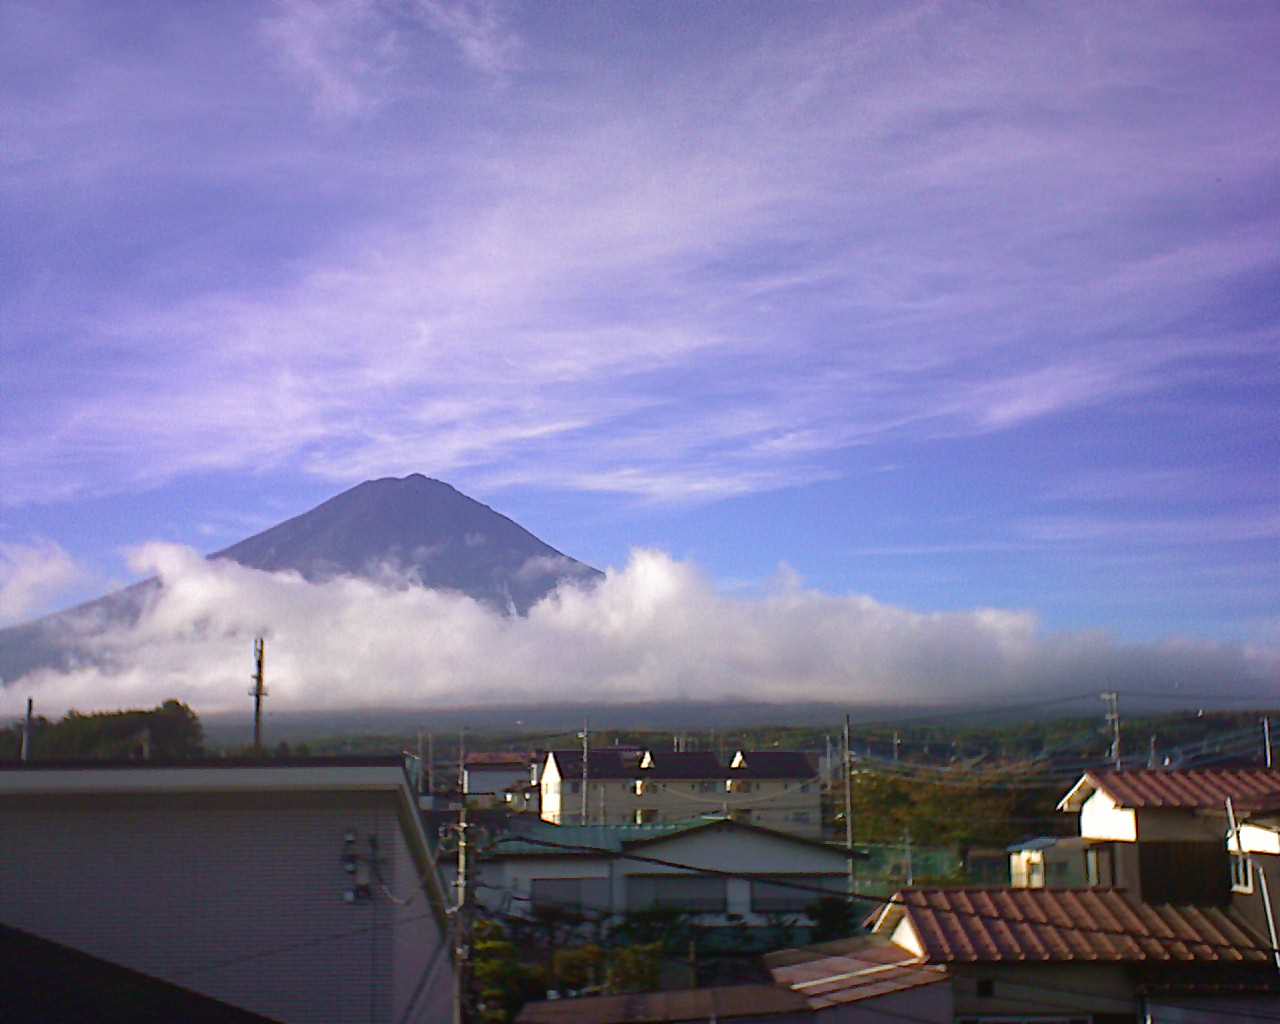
[1160, 834]
[1098, 956]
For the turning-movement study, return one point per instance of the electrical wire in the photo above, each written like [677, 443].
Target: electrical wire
[895, 901]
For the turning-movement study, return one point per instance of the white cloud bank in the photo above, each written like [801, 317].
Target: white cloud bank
[32, 575]
[655, 630]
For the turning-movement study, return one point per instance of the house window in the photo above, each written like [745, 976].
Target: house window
[1241, 873]
[575, 787]
[646, 816]
[768, 897]
[694, 894]
[707, 787]
[573, 894]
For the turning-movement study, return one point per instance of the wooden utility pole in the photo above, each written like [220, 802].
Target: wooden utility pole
[259, 690]
[1266, 738]
[848, 806]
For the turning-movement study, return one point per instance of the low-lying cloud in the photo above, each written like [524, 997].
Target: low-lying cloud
[656, 630]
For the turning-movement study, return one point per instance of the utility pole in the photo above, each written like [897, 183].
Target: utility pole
[259, 690]
[848, 806]
[422, 767]
[431, 764]
[1266, 738]
[26, 733]
[462, 921]
[462, 761]
[586, 752]
[1112, 700]
[897, 744]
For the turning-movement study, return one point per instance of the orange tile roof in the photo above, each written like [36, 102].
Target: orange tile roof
[1065, 925]
[1190, 790]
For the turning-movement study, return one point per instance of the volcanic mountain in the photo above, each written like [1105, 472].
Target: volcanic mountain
[416, 528]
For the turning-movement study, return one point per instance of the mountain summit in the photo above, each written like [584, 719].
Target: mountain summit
[421, 528]
[415, 528]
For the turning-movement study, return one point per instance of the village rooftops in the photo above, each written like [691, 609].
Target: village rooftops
[1063, 926]
[772, 764]
[1206, 790]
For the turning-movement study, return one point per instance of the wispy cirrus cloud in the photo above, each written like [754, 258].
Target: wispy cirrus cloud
[711, 270]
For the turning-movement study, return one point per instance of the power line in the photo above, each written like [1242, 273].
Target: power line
[957, 912]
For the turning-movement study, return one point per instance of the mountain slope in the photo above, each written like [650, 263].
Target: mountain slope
[414, 528]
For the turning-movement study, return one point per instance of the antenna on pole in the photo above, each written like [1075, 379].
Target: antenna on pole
[1112, 700]
[259, 689]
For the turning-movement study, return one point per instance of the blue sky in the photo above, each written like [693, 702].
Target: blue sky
[953, 306]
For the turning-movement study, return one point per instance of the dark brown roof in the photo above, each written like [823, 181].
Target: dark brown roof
[601, 764]
[696, 764]
[774, 764]
[1248, 789]
[1064, 925]
[725, 1003]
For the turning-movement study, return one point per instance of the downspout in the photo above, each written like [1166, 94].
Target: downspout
[1262, 878]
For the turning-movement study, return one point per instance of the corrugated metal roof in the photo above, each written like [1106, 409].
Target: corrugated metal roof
[1064, 925]
[862, 970]
[703, 1004]
[594, 837]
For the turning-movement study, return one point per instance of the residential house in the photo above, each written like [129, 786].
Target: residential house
[722, 871]
[1159, 834]
[602, 795]
[294, 890]
[1096, 956]
[775, 789]
[1053, 862]
[487, 777]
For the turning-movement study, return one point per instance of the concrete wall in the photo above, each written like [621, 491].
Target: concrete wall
[237, 896]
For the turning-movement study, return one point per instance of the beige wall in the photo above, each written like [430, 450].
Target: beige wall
[236, 896]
